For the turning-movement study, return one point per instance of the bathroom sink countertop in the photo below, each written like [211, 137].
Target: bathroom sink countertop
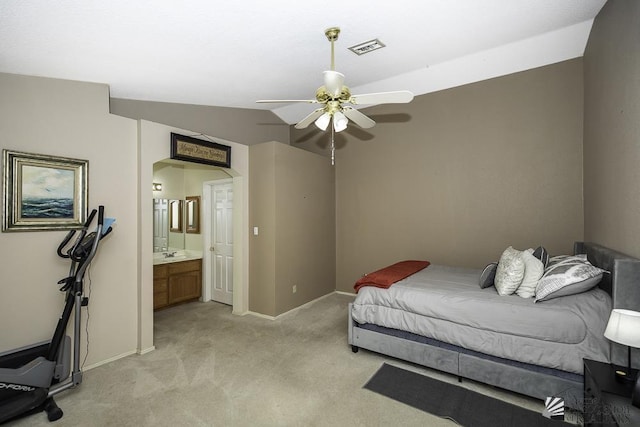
[160, 258]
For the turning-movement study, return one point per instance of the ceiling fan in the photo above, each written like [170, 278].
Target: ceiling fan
[334, 95]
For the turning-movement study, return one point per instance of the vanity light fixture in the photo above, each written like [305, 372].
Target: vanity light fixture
[157, 186]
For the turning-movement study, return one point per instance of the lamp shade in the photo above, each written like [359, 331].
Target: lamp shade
[340, 121]
[323, 121]
[624, 327]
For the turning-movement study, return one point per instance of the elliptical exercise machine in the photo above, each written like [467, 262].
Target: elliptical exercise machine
[32, 375]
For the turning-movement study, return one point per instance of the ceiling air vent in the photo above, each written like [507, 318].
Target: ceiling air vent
[366, 47]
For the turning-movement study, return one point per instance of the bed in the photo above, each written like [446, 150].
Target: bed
[458, 331]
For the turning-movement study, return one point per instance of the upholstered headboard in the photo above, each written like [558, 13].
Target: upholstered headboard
[623, 284]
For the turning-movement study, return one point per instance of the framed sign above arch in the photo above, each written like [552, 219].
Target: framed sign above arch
[197, 150]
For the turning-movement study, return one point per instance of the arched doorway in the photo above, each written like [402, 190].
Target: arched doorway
[154, 146]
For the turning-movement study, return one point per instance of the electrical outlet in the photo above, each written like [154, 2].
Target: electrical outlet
[294, 289]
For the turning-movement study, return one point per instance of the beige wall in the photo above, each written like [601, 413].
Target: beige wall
[293, 204]
[71, 119]
[171, 176]
[305, 226]
[456, 176]
[612, 128]
[234, 124]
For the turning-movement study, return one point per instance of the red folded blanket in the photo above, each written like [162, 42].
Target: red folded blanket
[389, 275]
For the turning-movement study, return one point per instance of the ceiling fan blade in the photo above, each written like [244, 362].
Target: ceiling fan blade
[358, 118]
[333, 82]
[309, 119]
[309, 101]
[397, 97]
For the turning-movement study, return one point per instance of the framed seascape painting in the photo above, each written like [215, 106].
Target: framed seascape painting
[43, 192]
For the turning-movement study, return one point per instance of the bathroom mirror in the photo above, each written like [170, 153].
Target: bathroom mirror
[168, 225]
[192, 209]
[175, 216]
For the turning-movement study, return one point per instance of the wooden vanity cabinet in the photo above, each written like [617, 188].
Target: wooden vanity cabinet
[160, 286]
[176, 282]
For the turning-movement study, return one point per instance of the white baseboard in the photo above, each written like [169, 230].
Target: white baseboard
[264, 316]
[146, 350]
[260, 315]
[351, 294]
[109, 360]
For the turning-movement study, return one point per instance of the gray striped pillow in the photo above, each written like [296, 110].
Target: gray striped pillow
[567, 275]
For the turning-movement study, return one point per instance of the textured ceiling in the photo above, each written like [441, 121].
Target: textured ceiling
[233, 53]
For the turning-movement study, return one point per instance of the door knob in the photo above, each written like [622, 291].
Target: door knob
[212, 249]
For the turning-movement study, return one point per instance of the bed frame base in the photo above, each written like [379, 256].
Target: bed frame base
[512, 378]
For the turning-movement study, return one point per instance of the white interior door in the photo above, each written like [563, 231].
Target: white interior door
[221, 249]
[160, 225]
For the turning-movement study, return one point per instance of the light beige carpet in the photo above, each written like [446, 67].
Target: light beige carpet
[211, 368]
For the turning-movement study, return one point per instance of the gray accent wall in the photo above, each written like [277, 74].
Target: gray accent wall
[612, 128]
[458, 175]
[242, 125]
[293, 205]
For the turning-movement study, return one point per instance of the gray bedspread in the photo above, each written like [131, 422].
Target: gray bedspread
[446, 303]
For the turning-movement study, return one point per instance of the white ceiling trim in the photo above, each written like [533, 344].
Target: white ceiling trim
[545, 49]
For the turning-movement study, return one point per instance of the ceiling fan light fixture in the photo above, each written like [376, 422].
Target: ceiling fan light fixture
[340, 121]
[323, 121]
[333, 95]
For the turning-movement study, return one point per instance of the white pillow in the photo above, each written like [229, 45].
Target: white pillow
[533, 271]
[510, 271]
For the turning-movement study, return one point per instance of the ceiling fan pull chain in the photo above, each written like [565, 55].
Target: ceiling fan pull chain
[333, 147]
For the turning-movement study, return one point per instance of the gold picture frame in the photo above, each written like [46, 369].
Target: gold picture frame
[43, 192]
